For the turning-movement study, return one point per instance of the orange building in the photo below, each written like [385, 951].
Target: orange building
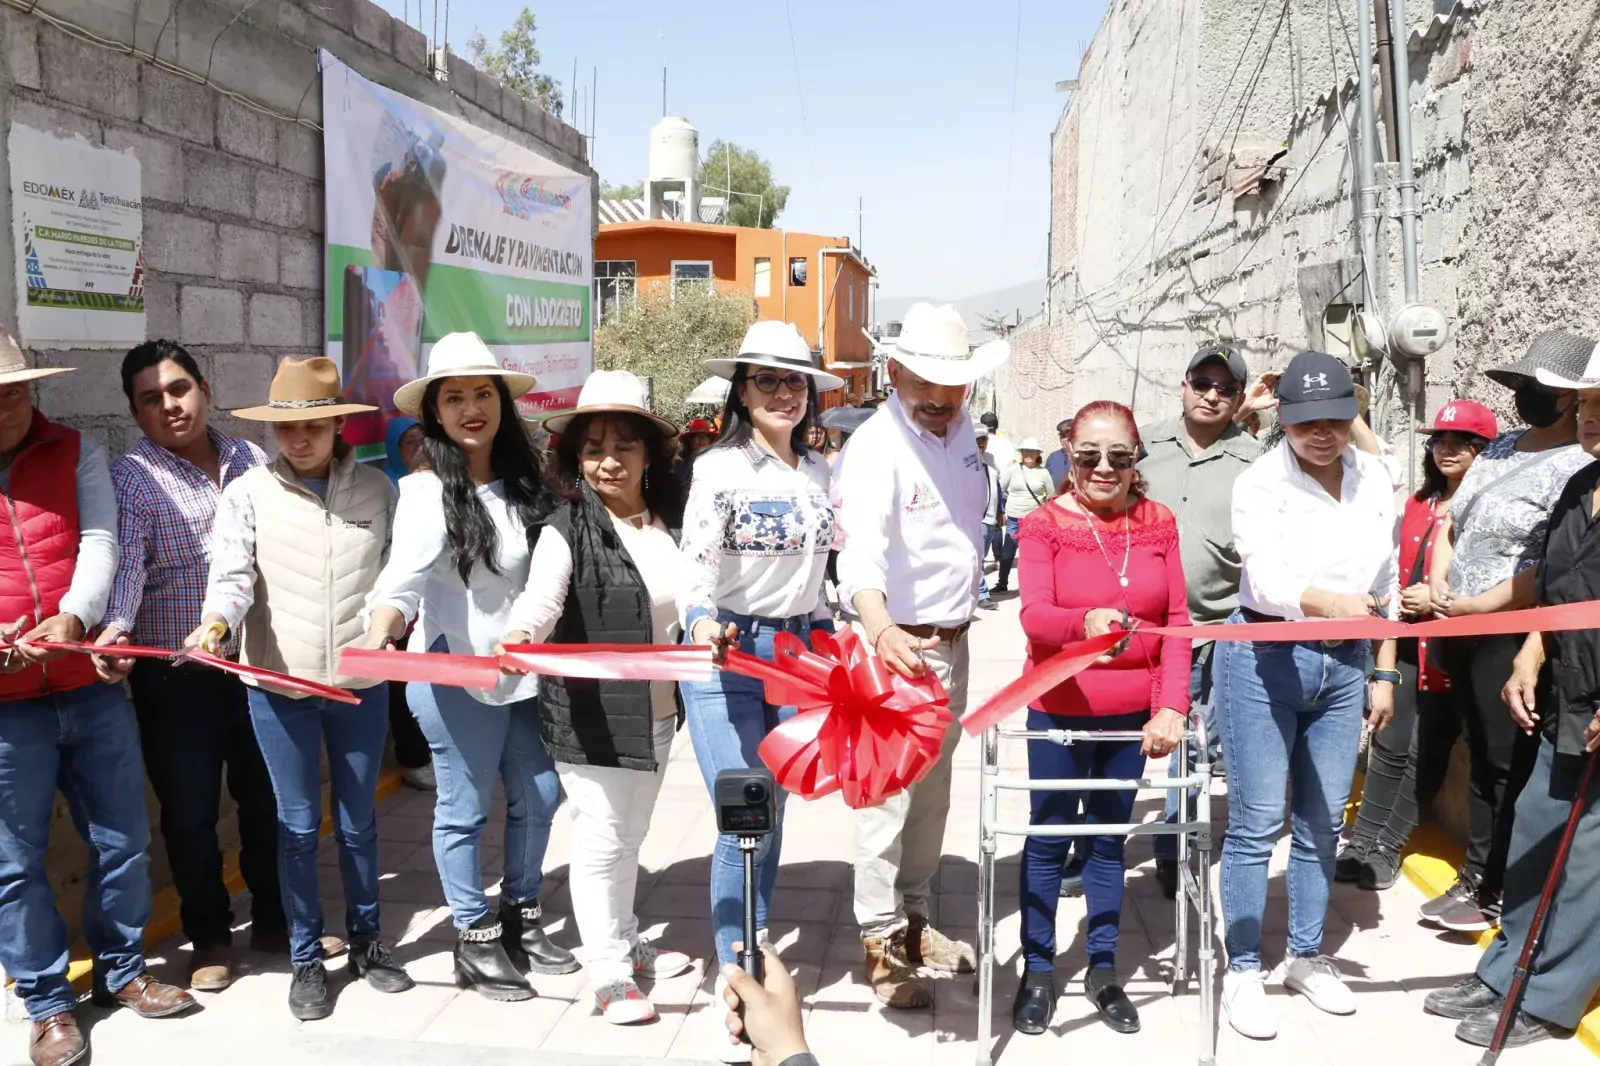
[819, 283]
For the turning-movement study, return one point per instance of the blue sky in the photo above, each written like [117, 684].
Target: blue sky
[908, 104]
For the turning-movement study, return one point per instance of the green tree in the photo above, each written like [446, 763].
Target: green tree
[752, 175]
[515, 63]
[667, 338]
[609, 191]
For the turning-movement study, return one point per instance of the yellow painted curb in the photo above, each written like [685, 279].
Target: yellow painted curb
[164, 918]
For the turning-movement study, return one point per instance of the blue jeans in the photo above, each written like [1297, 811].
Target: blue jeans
[292, 733]
[990, 543]
[729, 717]
[86, 743]
[1200, 685]
[1293, 720]
[1043, 857]
[471, 743]
[1006, 553]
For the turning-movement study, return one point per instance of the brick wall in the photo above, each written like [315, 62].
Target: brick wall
[233, 197]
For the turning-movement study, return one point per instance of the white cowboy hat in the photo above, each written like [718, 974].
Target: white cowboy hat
[933, 345]
[713, 390]
[777, 345]
[14, 368]
[304, 390]
[1029, 444]
[459, 355]
[615, 391]
[1589, 379]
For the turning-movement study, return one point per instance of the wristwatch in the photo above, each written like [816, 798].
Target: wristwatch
[1391, 676]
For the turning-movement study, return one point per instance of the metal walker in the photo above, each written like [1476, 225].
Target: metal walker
[1194, 882]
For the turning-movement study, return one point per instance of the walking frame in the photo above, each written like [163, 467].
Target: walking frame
[1194, 880]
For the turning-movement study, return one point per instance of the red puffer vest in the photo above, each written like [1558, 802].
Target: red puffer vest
[39, 551]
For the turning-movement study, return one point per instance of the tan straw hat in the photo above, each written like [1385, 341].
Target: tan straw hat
[14, 367]
[303, 390]
[459, 355]
[610, 392]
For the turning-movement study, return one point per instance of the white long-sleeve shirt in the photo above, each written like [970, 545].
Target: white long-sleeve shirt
[421, 577]
[912, 505]
[1292, 535]
[653, 552]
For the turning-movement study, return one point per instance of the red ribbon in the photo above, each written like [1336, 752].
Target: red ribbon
[1073, 658]
[255, 673]
[861, 730]
[604, 662]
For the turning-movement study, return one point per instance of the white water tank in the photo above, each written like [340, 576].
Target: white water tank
[674, 166]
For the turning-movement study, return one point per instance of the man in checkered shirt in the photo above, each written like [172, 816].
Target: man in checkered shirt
[193, 721]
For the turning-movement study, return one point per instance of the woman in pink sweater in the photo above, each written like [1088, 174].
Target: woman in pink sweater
[1097, 558]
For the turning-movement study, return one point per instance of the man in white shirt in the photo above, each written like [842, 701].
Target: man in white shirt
[1001, 450]
[912, 497]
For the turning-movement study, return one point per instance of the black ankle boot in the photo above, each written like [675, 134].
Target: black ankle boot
[481, 963]
[528, 944]
[1035, 1003]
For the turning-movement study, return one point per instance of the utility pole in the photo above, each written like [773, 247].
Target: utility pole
[860, 217]
[662, 37]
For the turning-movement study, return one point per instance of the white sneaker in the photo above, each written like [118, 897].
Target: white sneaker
[724, 1050]
[420, 777]
[1320, 981]
[656, 964]
[621, 1003]
[1244, 999]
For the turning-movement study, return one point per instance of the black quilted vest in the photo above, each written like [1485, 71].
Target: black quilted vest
[583, 721]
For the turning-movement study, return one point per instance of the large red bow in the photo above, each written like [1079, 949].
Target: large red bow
[861, 730]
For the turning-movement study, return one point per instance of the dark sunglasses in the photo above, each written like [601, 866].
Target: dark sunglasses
[1201, 386]
[768, 382]
[1090, 459]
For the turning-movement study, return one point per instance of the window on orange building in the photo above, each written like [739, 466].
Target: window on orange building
[690, 272]
[797, 271]
[614, 282]
[763, 277]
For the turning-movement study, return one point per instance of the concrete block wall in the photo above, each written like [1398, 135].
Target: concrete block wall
[233, 197]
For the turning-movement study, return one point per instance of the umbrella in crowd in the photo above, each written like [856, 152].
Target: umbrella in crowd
[845, 419]
[712, 390]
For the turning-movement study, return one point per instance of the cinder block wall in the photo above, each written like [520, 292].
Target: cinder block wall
[233, 197]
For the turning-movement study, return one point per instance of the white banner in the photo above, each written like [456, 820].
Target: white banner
[78, 226]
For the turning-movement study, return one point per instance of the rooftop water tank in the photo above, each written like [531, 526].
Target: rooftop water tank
[674, 151]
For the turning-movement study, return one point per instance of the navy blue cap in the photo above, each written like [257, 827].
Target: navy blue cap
[1316, 385]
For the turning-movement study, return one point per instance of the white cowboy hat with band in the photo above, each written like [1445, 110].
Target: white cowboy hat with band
[933, 345]
[610, 392]
[459, 355]
[14, 368]
[1589, 378]
[776, 346]
[303, 390]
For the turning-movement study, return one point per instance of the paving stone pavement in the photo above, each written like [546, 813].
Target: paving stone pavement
[1392, 961]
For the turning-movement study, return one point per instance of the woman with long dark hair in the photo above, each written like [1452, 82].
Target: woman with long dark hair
[1407, 761]
[606, 569]
[756, 535]
[464, 533]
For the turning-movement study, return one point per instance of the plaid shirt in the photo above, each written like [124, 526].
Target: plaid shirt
[165, 507]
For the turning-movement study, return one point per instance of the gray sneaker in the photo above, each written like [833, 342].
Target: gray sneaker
[1463, 891]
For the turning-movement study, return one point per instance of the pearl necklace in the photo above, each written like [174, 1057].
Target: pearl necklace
[1127, 545]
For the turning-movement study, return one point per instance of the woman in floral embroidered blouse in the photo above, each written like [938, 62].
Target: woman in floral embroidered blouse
[1095, 559]
[756, 534]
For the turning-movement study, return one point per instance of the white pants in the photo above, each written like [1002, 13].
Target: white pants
[900, 841]
[611, 811]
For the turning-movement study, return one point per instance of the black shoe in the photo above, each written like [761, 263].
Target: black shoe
[482, 963]
[309, 997]
[1167, 877]
[1036, 1002]
[1462, 999]
[1116, 1009]
[1004, 586]
[1072, 878]
[529, 945]
[370, 959]
[1525, 1029]
[1381, 870]
[1350, 866]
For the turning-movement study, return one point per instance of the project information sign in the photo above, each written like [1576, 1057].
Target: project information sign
[436, 226]
[78, 226]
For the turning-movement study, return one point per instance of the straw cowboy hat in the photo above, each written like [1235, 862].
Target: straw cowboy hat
[933, 345]
[1561, 354]
[302, 390]
[1589, 378]
[14, 368]
[459, 355]
[610, 392]
[777, 346]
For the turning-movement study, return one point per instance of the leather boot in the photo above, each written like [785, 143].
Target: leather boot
[146, 997]
[57, 1041]
[481, 963]
[529, 945]
[892, 979]
[926, 946]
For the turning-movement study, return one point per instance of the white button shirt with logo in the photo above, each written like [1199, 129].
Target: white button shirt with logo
[912, 507]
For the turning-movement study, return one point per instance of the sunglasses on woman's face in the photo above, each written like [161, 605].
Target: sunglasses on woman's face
[1089, 459]
[768, 382]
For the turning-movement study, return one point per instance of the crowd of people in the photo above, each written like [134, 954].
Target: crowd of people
[1263, 501]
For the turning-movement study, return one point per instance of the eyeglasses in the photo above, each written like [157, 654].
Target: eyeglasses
[1201, 386]
[768, 382]
[1089, 459]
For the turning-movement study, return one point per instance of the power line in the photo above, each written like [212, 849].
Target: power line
[800, 92]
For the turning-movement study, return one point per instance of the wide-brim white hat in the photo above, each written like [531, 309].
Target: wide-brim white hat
[1589, 379]
[14, 368]
[610, 392]
[933, 345]
[778, 346]
[1029, 444]
[459, 355]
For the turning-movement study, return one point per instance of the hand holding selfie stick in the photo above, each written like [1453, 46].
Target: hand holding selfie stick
[747, 808]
